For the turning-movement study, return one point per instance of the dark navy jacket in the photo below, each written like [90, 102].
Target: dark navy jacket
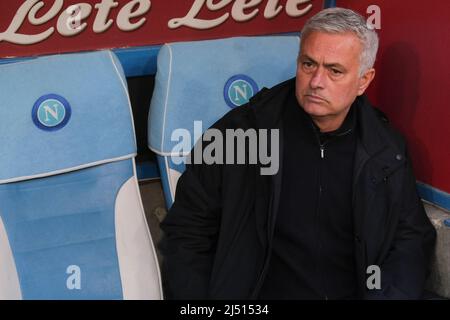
[218, 233]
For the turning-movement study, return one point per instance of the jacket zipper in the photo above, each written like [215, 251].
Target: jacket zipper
[272, 213]
[322, 145]
[322, 157]
[317, 218]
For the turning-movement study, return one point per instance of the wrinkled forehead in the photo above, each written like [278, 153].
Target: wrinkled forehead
[323, 47]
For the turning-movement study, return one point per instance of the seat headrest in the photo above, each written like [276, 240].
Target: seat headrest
[63, 112]
[203, 80]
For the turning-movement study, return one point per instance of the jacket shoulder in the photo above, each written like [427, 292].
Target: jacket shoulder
[242, 116]
[266, 94]
[394, 134]
[381, 115]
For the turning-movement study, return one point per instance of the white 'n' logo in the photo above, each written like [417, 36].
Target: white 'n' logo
[52, 111]
[241, 91]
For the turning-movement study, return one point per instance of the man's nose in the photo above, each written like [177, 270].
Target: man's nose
[317, 80]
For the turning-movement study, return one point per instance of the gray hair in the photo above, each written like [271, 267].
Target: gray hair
[340, 20]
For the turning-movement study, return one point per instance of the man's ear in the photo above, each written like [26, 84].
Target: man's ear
[365, 80]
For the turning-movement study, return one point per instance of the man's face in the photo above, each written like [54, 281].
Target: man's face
[328, 78]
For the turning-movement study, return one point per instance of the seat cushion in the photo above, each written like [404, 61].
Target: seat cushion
[62, 221]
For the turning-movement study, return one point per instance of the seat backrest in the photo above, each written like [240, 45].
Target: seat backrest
[203, 80]
[72, 224]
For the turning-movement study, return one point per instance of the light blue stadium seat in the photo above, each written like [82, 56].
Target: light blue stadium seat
[72, 224]
[203, 80]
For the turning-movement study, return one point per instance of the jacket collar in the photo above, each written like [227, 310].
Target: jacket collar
[269, 104]
[369, 127]
[376, 140]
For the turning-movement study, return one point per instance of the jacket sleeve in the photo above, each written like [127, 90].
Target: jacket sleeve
[405, 269]
[190, 232]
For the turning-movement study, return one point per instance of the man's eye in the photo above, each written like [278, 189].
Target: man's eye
[336, 71]
[307, 64]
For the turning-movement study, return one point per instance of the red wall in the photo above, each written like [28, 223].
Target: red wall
[412, 84]
[155, 29]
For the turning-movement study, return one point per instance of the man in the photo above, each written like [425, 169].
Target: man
[343, 202]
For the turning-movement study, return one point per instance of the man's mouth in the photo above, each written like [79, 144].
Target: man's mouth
[315, 98]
